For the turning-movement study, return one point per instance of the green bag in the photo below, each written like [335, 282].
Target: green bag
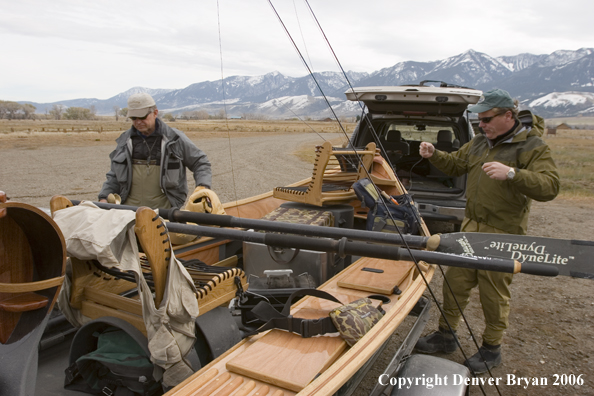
[118, 361]
[355, 319]
[109, 357]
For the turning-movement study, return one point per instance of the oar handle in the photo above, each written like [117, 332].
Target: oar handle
[537, 269]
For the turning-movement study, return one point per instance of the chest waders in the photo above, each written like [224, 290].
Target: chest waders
[146, 186]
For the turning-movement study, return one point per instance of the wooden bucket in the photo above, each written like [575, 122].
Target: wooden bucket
[32, 265]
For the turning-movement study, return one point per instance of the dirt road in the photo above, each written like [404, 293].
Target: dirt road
[36, 167]
[551, 333]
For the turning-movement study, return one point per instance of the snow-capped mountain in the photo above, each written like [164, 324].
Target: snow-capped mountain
[102, 106]
[558, 103]
[534, 79]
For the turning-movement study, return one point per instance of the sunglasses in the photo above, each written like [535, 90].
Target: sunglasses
[486, 120]
[144, 118]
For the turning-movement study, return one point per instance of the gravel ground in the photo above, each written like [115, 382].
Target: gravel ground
[35, 168]
[551, 333]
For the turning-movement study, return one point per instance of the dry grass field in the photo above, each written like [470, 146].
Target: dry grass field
[108, 124]
[571, 148]
[573, 121]
[574, 159]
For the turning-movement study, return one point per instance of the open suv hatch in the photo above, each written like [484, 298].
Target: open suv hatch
[399, 118]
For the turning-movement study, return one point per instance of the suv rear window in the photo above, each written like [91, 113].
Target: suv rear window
[421, 133]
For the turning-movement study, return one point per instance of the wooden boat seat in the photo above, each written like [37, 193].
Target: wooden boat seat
[272, 359]
[23, 302]
[32, 262]
[335, 171]
[216, 290]
[32, 268]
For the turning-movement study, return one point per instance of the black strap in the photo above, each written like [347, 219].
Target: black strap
[284, 321]
[71, 373]
[307, 292]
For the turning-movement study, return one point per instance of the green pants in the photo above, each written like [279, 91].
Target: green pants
[493, 291]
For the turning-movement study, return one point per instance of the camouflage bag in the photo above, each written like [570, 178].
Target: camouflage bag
[354, 320]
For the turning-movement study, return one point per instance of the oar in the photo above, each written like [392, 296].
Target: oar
[571, 257]
[346, 247]
[176, 215]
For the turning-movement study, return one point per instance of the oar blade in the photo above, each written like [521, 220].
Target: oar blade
[571, 257]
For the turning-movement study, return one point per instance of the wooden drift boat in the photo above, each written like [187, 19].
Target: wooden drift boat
[283, 363]
[32, 265]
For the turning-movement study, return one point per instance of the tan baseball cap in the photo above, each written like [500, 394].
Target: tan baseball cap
[139, 104]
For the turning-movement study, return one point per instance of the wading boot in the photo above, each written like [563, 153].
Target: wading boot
[440, 341]
[491, 355]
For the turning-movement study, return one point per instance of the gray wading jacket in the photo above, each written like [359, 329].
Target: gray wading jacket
[177, 153]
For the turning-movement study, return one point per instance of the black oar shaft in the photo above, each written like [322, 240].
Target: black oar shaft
[176, 215]
[345, 247]
[435, 242]
[413, 241]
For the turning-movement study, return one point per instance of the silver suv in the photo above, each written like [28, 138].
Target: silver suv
[399, 118]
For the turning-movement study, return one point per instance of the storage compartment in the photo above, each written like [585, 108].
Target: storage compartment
[320, 265]
[259, 258]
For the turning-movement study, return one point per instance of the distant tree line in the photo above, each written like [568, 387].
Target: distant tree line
[59, 111]
[120, 112]
[15, 111]
[204, 115]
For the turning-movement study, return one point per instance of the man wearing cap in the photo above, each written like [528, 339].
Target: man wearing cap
[508, 165]
[148, 165]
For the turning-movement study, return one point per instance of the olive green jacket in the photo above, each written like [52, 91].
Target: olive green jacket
[504, 204]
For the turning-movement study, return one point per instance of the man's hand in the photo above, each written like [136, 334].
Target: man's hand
[496, 170]
[426, 150]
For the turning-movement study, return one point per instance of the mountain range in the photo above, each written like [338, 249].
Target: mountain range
[558, 84]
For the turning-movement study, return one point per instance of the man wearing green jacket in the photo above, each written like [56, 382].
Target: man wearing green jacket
[508, 166]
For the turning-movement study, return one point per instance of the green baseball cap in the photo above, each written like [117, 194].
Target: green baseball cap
[493, 98]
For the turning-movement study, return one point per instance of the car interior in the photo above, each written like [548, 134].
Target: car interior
[400, 139]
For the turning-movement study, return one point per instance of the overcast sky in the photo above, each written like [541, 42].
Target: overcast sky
[68, 49]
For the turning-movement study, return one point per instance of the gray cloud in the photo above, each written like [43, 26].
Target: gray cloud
[65, 48]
